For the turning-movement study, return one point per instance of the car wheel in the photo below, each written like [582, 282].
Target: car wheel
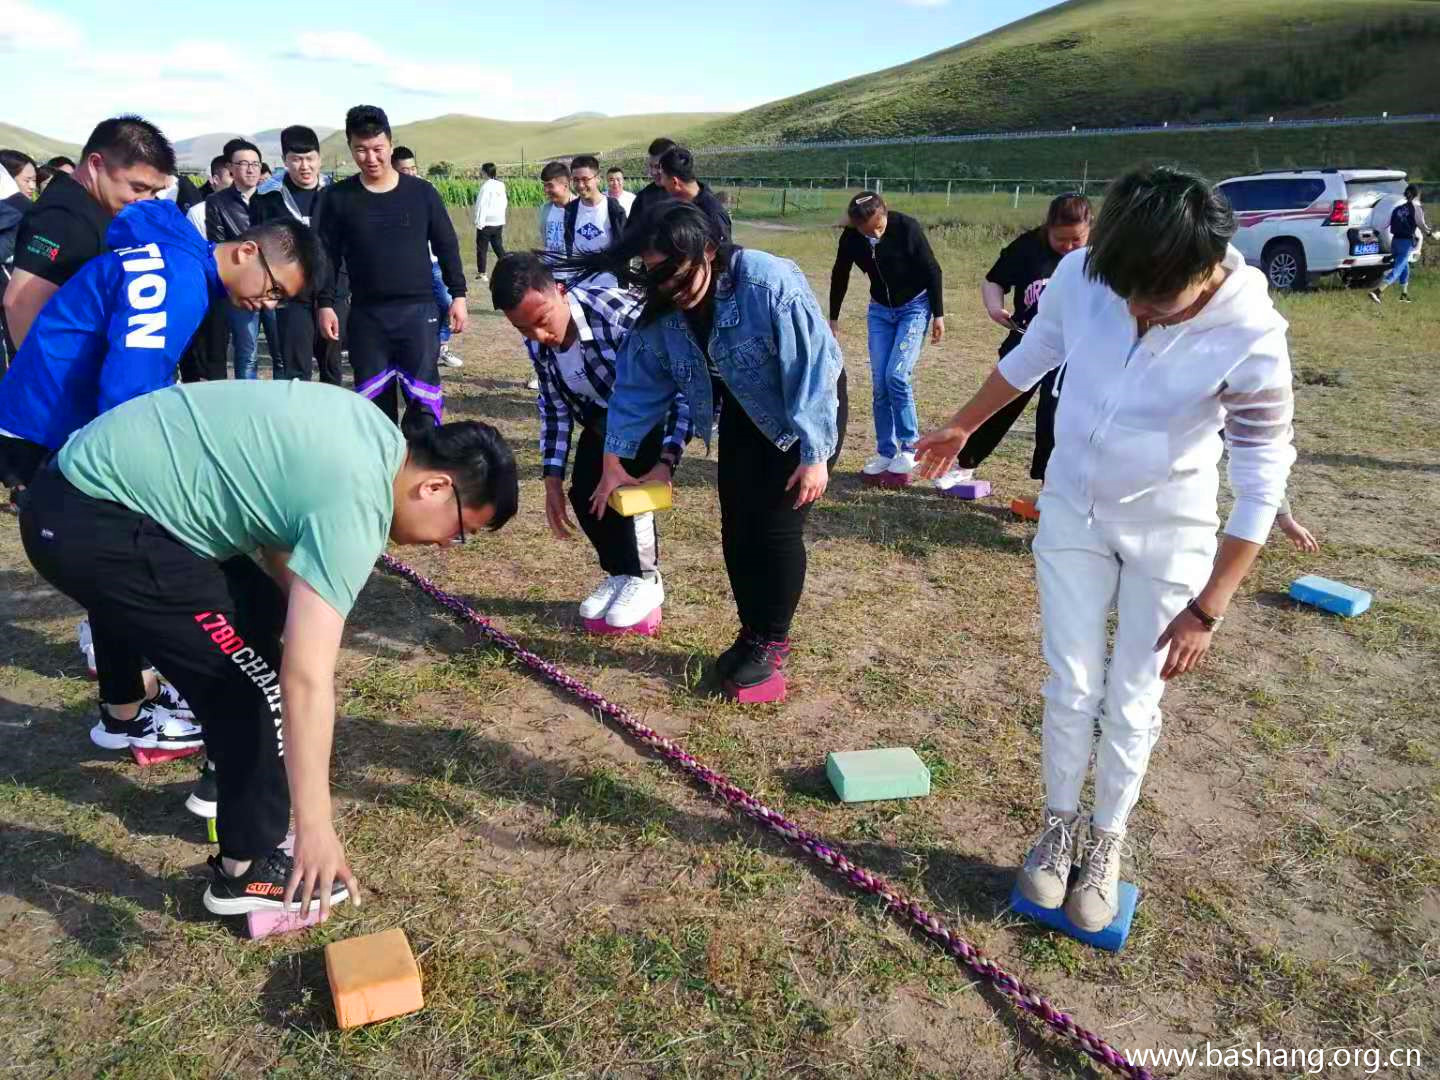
[1284, 265]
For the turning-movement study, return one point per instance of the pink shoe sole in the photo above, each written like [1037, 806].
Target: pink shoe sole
[261, 924]
[886, 479]
[649, 626]
[772, 689]
[147, 755]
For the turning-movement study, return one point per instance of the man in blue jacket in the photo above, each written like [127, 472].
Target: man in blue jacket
[114, 331]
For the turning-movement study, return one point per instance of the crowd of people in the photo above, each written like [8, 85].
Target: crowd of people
[202, 524]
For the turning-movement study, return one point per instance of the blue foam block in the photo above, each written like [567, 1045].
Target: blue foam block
[1330, 595]
[1111, 939]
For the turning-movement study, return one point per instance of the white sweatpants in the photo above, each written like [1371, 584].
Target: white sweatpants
[1147, 573]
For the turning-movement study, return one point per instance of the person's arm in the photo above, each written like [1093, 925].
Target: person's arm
[307, 687]
[480, 205]
[24, 297]
[214, 220]
[934, 276]
[840, 277]
[327, 221]
[644, 390]
[676, 433]
[993, 297]
[808, 378]
[556, 425]
[145, 346]
[445, 244]
[277, 565]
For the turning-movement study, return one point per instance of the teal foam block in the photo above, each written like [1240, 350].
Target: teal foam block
[868, 775]
[1111, 939]
[1330, 595]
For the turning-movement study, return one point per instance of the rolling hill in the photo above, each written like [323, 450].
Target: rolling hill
[197, 151]
[39, 147]
[1096, 63]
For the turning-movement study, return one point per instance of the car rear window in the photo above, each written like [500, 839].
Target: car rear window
[1295, 193]
[1362, 193]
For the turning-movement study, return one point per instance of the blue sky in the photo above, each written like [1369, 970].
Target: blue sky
[68, 63]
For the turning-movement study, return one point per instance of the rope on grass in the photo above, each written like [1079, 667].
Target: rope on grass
[905, 909]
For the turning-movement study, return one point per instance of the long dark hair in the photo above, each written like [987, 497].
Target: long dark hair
[678, 230]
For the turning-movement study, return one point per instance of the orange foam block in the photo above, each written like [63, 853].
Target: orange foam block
[1024, 508]
[373, 978]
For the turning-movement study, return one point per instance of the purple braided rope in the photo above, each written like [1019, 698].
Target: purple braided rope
[904, 908]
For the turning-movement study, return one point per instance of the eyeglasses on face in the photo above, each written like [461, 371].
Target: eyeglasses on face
[275, 292]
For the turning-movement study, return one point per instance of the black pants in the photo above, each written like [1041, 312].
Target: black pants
[988, 435]
[492, 236]
[762, 533]
[626, 545]
[204, 359]
[395, 349]
[213, 629]
[299, 341]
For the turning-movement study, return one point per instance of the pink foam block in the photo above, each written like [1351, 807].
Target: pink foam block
[260, 924]
[974, 489]
[886, 479]
[649, 626]
[772, 689]
[148, 755]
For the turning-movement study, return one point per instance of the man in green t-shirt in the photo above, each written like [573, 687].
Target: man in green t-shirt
[149, 518]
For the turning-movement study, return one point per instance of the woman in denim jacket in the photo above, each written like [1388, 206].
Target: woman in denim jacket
[740, 332]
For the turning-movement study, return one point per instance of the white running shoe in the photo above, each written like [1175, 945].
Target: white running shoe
[533, 383]
[1046, 871]
[450, 359]
[902, 464]
[1095, 899]
[598, 602]
[637, 598]
[169, 698]
[955, 476]
[87, 647]
[876, 465]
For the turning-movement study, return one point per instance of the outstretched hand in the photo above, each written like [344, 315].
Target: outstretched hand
[1188, 641]
[319, 861]
[612, 476]
[936, 450]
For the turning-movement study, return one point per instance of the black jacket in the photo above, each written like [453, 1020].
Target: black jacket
[900, 267]
[273, 206]
[227, 215]
[613, 210]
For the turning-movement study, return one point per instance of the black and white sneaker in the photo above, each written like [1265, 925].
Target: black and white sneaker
[260, 888]
[204, 800]
[169, 699]
[153, 728]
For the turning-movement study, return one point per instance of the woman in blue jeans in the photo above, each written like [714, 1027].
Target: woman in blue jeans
[905, 300]
[1407, 225]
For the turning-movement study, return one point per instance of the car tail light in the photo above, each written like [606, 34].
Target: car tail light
[1339, 213]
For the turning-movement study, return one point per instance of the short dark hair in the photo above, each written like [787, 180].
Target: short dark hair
[265, 169]
[44, 174]
[231, 145]
[15, 161]
[1159, 230]
[488, 169]
[1412, 192]
[239, 146]
[516, 274]
[553, 170]
[1071, 208]
[218, 162]
[402, 153]
[284, 241]
[131, 140]
[298, 139]
[60, 161]
[365, 122]
[478, 460]
[613, 169]
[659, 146]
[585, 161]
[679, 163]
[863, 206]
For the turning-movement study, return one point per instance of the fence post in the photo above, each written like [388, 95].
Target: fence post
[866, 182]
[847, 174]
[784, 193]
[1016, 204]
[947, 192]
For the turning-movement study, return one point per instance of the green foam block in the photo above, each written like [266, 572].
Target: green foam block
[868, 775]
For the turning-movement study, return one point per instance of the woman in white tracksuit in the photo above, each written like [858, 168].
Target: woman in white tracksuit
[1167, 336]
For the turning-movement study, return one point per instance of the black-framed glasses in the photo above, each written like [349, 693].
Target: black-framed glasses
[244, 164]
[275, 292]
[459, 516]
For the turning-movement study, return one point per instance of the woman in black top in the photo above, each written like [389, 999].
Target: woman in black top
[1023, 268]
[905, 294]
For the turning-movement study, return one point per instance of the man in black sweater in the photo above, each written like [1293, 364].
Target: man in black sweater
[652, 192]
[382, 226]
[677, 177]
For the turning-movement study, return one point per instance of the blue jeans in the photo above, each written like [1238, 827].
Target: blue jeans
[245, 337]
[896, 335]
[1400, 272]
[443, 300]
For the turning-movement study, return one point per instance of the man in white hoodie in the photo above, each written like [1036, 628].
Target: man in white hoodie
[1168, 337]
[489, 218]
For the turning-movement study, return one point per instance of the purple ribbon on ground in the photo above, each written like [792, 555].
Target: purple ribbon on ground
[902, 907]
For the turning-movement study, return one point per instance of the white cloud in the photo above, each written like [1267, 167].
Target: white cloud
[24, 28]
[446, 80]
[344, 46]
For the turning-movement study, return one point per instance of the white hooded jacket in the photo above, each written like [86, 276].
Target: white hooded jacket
[1138, 422]
[490, 204]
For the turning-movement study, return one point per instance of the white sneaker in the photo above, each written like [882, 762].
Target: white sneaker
[595, 605]
[169, 698]
[1046, 872]
[485, 279]
[902, 464]
[876, 465]
[955, 476]
[637, 598]
[533, 384]
[87, 647]
[1093, 902]
[450, 359]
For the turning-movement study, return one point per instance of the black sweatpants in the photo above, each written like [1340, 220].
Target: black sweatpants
[395, 349]
[492, 236]
[626, 545]
[213, 629]
[762, 534]
[298, 340]
[988, 435]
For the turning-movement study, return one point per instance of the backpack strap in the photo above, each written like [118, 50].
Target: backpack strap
[572, 215]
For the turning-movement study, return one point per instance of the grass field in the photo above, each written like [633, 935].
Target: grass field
[39, 147]
[579, 912]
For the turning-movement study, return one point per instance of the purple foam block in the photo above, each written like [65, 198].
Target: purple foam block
[150, 755]
[772, 689]
[969, 489]
[646, 627]
[261, 924]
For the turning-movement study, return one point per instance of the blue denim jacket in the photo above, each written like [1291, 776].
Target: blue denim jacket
[771, 346]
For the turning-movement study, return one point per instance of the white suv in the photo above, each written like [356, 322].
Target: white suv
[1298, 224]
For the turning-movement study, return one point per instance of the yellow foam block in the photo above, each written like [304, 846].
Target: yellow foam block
[640, 498]
[373, 978]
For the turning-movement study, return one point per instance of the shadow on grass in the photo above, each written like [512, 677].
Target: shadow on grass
[916, 520]
[24, 595]
[1363, 461]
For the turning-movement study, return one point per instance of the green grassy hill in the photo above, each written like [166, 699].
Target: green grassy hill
[39, 147]
[469, 140]
[1096, 63]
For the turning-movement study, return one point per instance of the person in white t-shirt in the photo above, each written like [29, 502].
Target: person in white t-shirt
[615, 188]
[596, 220]
[555, 178]
[490, 206]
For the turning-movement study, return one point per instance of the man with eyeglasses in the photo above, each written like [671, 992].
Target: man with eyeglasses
[227, 216]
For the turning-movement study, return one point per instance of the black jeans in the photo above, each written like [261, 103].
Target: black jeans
[213, 629]
[492, 236]
[395, 349]
[626, 545]
[762, 534]
[988, 435]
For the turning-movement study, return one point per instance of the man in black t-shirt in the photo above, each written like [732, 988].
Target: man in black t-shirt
[677, 177]
[125, 159]
[382, 226]
[654, 191]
